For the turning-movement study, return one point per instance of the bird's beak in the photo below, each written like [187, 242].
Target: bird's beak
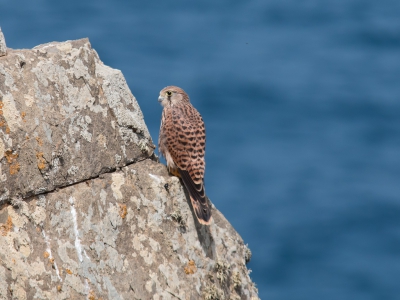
[160, 99]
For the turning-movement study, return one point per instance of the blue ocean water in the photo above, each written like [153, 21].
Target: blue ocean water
[301, 101]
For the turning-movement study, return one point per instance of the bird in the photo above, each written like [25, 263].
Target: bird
[182, 142]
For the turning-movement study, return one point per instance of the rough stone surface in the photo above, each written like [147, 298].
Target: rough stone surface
[87, 212]
[64, 117]
[120, 236]
[3, 47]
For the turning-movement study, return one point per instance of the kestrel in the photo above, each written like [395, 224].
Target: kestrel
[182, 141]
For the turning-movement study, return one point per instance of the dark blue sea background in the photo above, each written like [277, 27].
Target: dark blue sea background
[301, 101]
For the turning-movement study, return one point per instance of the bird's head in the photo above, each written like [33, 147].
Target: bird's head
[172, 95]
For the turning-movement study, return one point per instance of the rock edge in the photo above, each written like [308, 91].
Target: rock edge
[93, 214]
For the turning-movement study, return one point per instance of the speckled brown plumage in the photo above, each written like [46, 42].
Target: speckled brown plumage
[182, 142]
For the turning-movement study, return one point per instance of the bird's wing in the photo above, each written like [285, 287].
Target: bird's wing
[187, 148]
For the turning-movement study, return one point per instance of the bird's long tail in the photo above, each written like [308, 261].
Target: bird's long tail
[198, 198]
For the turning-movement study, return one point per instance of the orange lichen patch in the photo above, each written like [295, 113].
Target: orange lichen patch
[51, 260]
[12, 160]
[122, 211]
[8, 130]
[10, 156]
[92, 295]
[190, 268]
[41, 162]
[5, 228]
[39, 140]
[59, 288]
[23, 115]
[14, 168]
[68, 271]
[46, 254]
[1, 107]
[2, 123]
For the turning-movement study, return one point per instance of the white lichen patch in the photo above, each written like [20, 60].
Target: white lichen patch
[115, 261]
[9, 80]
[118, 180]
[137, 241]
[3, 287]
[154, 244]
[102, 141]
[37, 267]
[18, 292]
[113, 215]
[147, 257]
[123, 148]
[25, 250]
[72, 170]
[40, 70]
[55, 162]
[18, 220]
[170, 273]
[39, 215]
[75, 283]
[3, 177]
[86, 224]
[29, 100]
[112, 291]
[153, 284]
[136, 200]
[10, 112]
[64, 47]
[64, 250]
[48, 132]
[141, 222]
[2, 149]
[79, 70]
[88, 119]
[103, 196]
[84, 132]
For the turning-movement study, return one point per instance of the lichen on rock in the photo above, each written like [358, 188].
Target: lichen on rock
[67, 116]
[86, 211]
[3, 47]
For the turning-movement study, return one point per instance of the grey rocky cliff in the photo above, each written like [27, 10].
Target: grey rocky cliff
[3, 47]
[86, 211]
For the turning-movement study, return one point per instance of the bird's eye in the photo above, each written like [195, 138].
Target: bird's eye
[169, 93]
